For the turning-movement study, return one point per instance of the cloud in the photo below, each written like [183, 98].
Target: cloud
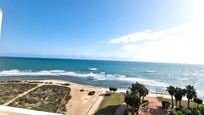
[182, 43]
[178, 44]
[149, 35]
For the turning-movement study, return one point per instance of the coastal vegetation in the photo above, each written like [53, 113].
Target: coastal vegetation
[198, 101]
[184, 103]
[184, 107]
[50, 98]
[91, 92]
[190, 93]
[166, 104]
[9, 90]
[135, 97]
[66, 84]
[171, 91]
[53, 97]
[113, 89]
[110, 103]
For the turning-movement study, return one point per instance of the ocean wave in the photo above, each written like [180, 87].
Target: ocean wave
[93, 69]
[145, 81]
[149, 71]
[93, 75]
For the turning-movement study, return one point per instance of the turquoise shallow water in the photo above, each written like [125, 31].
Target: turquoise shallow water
[156, 76]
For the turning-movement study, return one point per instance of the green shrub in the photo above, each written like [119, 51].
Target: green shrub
[133, 99]
[113, 89]
[91, 93]
[198, 101]
[186, 111]
[44, 98]
[193, 111]
[166, 104]
[67, 84]
[107, 94]
[174, 112]
[201, 109]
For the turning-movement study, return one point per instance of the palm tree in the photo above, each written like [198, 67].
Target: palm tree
[133, 98]
[183, 94]
[146, 92]
[190, 93]
[141, 89]
[179, 93]
[198, 101]
[171, 91]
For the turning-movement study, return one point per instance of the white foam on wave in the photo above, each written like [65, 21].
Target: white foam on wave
[93, 69]
[29, 73]
[144, 81]
[149, 71]
[96, 76]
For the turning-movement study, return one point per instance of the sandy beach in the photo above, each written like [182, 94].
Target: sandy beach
[81, 103]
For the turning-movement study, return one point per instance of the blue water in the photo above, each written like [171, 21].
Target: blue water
[156, 76]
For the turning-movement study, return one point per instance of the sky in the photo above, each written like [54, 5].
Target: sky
[0, 20]
[131, 30]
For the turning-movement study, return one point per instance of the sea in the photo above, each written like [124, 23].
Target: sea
[121, 74]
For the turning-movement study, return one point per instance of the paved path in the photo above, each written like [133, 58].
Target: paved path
[155, 107]
[96, 105]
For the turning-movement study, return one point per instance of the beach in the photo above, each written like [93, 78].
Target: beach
[80, 102]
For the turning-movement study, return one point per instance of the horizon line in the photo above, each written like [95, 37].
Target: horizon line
[89, 59]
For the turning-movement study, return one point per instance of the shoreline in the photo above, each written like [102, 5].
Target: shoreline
[104, 89]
